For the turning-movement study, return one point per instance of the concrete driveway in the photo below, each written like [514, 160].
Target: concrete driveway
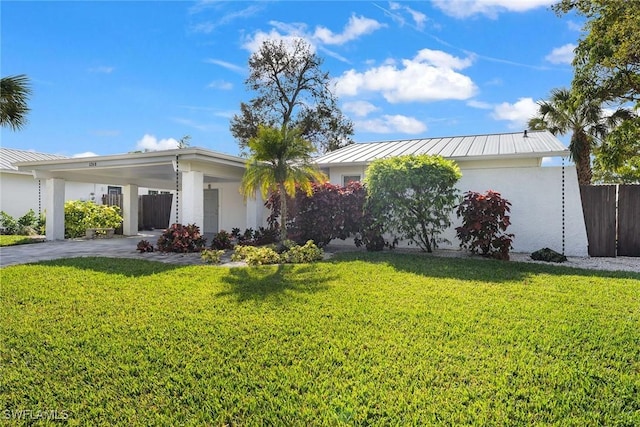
[116, 247]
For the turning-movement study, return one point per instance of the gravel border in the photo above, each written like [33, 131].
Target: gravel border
[592, 263]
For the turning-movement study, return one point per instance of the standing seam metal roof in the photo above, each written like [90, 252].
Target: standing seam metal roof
[535, 144]
[9, 156]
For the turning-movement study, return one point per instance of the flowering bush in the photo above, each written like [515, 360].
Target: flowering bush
[181, 238]
[484, 218]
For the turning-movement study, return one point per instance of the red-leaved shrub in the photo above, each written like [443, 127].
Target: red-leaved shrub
[485, 218]
[331, 212]
[181, 238]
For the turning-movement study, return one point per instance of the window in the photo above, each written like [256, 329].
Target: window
[346, 179]
[153, 192]
[114, 190]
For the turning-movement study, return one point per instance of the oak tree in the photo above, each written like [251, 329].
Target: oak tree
[291, 91]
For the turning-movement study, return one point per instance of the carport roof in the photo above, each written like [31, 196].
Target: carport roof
[154, 169]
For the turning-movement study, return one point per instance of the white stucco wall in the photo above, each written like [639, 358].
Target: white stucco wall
[233, 209]
[19, 193]
[535, 194]
[536, 206]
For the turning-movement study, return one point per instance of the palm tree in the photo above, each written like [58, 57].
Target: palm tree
[14, 93]
[279, 160]
[565, 112]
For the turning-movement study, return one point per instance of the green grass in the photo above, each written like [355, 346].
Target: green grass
[10, 240]
[363, 339]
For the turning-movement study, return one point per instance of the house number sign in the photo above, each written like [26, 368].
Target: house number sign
[93, 163]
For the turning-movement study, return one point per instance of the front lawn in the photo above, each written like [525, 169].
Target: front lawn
[362, 339]
[10, 240]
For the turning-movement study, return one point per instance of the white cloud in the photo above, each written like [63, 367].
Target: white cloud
[288, 32]
[359, 108]
[561, 55]
[85, 154]
[430, 76]
[574, 26]
[102, 69]
[192, 124]
[227, 65]
[518, 114]
[105, 132]
[356, 27]
[151, 143]
[490, 8]
[419, 18]
[479, 104]
[254, 42]
[220, 84]
[391, 124]
[223, 19]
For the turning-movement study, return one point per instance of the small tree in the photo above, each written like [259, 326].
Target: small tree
[280, 160]
[413, 196]
[485, 217]
[14, 94]
[617, 160]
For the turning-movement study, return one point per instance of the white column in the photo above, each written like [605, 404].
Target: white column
[54, 208]
[192, 198]
[255, 209]
[130, 210]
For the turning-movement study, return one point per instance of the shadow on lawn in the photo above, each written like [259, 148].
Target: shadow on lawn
[123, 266]
[274, 282]
[481, 269]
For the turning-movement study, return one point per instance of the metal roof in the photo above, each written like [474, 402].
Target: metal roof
[472, 147]
[9, 156]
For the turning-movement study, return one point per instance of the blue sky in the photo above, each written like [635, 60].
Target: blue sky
[113, 77]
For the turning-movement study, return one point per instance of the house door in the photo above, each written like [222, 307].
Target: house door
[210, 211]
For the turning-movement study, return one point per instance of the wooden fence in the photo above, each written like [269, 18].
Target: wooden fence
[612, 219]
[154, 210]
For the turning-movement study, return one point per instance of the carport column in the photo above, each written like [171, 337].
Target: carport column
[192, 198]
[255, 209]
[130, 210]
[54, 206]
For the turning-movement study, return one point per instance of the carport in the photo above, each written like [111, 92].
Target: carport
[188, 172]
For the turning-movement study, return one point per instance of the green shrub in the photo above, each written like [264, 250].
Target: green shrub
[253, 255]
[181, 238]
[27, 225]
[411, 197]
[292, 253]
[8, 223]
[212, 256]
[81, 215]
[309, 252]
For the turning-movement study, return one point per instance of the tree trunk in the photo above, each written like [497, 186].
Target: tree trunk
[583, 164]
[283, 213]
